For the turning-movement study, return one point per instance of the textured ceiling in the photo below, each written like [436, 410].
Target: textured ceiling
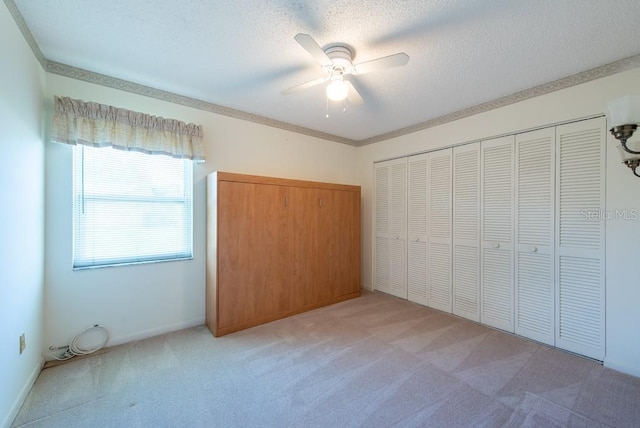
[240, 54]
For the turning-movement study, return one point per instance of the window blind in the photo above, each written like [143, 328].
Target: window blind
[130, 207]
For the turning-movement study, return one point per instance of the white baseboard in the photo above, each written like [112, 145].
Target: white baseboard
[119, 340]
[623, 368]
[8, 420]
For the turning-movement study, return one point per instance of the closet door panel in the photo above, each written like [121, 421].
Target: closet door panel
[497, 260]
[391, 227]
[534, 308]
[398, 229]
[439, 229]
[497, 288]
[417, 230]
[417, 272]
[466, 235]
[534, 235]
[381, 210]
[580, 191]
[382, 265]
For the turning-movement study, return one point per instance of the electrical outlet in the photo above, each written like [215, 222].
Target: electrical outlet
[23, 343]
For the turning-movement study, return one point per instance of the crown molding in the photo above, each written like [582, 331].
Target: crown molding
[26, 33]
[125, 85]
[148, 91]
[546, 88]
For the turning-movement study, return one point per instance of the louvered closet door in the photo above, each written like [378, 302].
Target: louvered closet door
[534, 235]
[381, 224]
[439, 229]
[497, 184]
[417, 230]
[391, 227]
[466, 231]
[398, 228]
[580, 191]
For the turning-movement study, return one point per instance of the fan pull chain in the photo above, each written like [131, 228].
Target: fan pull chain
[344, 107]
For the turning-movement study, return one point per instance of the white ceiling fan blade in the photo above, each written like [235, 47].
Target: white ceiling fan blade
[353, 95]
[306, 85]
[395, 60]
[314, 49]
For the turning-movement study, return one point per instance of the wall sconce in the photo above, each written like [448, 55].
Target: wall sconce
[623, 115]
[629, 160]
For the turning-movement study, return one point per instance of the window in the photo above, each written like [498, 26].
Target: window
[130, 207]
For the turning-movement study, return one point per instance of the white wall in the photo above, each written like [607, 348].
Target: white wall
[21, 216]
[133, 302]
[623, 192]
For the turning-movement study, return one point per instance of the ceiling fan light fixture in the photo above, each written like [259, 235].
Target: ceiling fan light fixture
[336, 61]
[337, 90]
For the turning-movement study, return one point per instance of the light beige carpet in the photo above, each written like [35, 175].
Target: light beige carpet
[372, 361]
[535, 411]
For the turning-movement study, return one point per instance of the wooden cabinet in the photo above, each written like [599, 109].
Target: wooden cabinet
[278, 247]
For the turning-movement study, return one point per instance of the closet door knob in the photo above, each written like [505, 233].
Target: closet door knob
[396, 237]
[418, 239]
[533, 249]
[496, 245]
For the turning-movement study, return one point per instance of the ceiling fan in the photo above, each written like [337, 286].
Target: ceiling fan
[336, 61]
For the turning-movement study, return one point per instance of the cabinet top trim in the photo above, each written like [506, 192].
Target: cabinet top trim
[245, 178]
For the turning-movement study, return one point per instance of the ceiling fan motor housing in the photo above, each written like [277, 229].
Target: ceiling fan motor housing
[341, 55]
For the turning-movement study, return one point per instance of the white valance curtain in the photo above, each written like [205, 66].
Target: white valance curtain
[98, 125]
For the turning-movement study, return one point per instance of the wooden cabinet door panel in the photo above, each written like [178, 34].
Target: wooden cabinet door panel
[302, 219]
[342, 210]
[238, 212]
[325, 274]
[275, 296]
[257, 287]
